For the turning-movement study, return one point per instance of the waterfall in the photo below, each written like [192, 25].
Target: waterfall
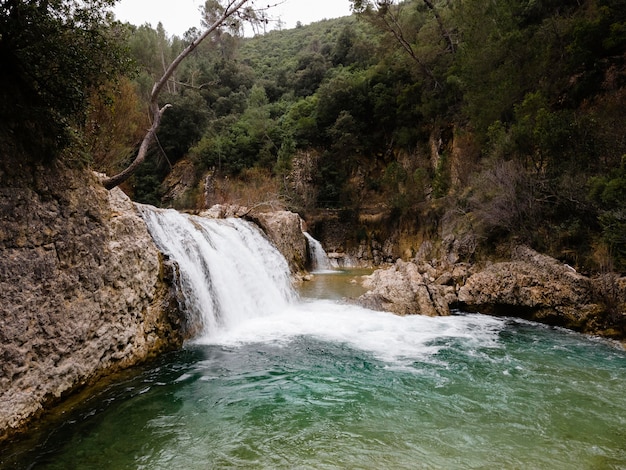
[229, 271]
[319, 259]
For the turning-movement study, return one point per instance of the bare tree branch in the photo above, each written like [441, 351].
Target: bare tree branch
[157, 113]
[444, 31]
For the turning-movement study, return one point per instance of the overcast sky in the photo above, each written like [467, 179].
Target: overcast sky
[180, 15]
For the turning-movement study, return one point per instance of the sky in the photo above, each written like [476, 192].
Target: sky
[178, 16]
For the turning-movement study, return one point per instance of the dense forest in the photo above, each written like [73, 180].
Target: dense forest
[495, 120]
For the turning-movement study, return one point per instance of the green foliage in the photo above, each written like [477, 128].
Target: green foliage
[441, 180]
[236, 143]
[146, 182]
[53, 53]
[610, 193]
[183, 124]
[537, 88]
[300, 123]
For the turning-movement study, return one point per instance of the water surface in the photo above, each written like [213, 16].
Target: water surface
[325, 385]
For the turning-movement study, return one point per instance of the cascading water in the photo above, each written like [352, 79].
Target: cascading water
[319, 258]
[277, 383]
[229, 271]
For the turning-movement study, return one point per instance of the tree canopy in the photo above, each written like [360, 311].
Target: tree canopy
[53, 54]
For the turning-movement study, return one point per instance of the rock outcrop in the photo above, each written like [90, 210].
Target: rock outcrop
[284, 229]
[530, 285]
[83, 289]
[407, 288]
[534, 286]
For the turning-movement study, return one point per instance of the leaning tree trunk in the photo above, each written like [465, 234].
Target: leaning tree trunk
[444, 31]
[157, 112]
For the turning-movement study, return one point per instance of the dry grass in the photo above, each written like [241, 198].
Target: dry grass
[254, 188]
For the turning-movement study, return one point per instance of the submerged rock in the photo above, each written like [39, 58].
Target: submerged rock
[83, 289]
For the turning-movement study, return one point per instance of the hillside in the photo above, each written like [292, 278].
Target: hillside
[495, 121]
[406, 122]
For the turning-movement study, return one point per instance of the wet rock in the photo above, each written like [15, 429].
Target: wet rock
[530, 285]
[284, 229]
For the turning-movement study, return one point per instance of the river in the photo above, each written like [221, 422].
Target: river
[317, 383]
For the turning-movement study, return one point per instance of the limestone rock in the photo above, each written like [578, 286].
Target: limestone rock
[530, 285]
[284, 229]
[83, 289]
[405, 289]
[534, 286]
[224, 211]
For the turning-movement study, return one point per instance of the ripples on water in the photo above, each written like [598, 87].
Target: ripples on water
[324, 385]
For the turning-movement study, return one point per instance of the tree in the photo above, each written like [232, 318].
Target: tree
[390, 16]
[218, 15]
[54, 53]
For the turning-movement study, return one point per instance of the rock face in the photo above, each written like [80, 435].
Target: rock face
[83, 289]
[530, 285]
[284, 229]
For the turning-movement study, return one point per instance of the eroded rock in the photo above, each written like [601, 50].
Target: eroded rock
[530, 285]
[534, 286]
[284, 229]
[83, 289]
[407, 288]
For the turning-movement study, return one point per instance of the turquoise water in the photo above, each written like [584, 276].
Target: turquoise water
[330, 386]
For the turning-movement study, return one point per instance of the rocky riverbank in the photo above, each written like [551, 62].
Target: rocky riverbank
[84, 292]
[528, 285]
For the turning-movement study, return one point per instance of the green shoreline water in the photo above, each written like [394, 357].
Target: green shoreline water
[461, 392]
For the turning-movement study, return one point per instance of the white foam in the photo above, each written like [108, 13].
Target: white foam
[390, 338]
[236, 284]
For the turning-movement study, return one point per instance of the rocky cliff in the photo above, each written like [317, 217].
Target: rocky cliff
[83, 289]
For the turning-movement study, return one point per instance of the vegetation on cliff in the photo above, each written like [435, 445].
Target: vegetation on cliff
[503, 118]
[54, 55]
[497, 119]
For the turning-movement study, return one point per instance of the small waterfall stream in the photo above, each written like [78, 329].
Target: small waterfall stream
[319, 259]
[229, 271]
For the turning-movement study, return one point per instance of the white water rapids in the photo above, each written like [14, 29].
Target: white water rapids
[237, 287]
[229, 271]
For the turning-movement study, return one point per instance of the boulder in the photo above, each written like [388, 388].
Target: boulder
[179, 183]
[532, 286]
[224, 211]
[405, 289]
